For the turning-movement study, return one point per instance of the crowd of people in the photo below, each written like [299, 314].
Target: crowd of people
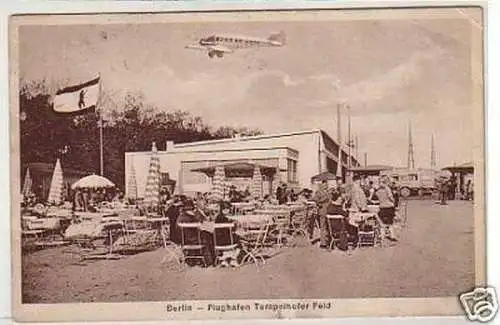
[340, 200]
[449, 190]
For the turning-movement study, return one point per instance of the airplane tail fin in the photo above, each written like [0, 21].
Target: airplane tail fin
[278, 37]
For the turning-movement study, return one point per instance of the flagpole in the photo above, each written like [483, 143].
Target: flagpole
[101, 152]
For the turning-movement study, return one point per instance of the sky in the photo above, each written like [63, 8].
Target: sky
[389, 72]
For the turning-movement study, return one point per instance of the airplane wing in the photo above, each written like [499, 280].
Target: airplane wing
[196, 47]
[215, 48]
[222, 49]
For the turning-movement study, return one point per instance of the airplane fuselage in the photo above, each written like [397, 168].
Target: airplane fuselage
[235, 42]
[218, 44]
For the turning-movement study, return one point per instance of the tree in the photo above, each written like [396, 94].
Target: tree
[230, 132]
[133, 126]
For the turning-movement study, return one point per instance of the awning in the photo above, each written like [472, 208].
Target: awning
[467, 168]
[238, 169]
[325, 176]
[371, 170]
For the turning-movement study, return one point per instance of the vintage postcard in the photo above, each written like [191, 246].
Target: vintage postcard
[248, 164]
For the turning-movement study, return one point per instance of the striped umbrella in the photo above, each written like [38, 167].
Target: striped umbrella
[256, 185]
[132, 185]
[28, 183]
[56, 185]
[218, 184]
[152, 192]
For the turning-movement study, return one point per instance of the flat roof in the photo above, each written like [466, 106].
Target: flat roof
[209, 151]
[246, 138]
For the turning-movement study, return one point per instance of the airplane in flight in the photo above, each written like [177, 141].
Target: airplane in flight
[219, 44]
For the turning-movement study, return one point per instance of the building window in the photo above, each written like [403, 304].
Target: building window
[291, 171]
[331, 165]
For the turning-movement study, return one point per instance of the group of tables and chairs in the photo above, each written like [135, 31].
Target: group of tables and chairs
[257, 232]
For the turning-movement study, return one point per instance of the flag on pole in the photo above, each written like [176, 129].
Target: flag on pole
[78, 98]
[28, 183]
[152, 192]
[56, 185]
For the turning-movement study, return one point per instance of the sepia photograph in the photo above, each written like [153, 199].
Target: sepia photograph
[307, 163]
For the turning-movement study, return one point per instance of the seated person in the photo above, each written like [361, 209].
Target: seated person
[221, 215]
[335, 208]
[189, 213]
[229, 257]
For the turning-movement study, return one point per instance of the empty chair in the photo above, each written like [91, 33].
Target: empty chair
[253, 238]
[223, 240]
[191, 244]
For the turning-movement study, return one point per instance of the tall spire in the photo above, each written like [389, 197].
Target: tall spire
[339, 124]
[433, 153]
[411, 159]
[356, 147]
[349, 140]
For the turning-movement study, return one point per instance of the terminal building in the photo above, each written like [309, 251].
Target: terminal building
[293, 158]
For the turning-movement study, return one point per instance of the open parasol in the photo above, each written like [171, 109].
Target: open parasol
[92, 181]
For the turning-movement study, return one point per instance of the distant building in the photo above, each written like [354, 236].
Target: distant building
[289, 157]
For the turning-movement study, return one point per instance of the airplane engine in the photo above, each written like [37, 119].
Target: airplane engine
[212, 54]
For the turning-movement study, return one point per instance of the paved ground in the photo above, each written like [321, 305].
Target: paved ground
[434, 257]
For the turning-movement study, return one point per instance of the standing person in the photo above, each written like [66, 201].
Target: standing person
[395, 193]
[322, 197]
[359, 202]
[281, 194]
[279, 191]
[444, 188]
[470, 190]
[372, 196]
[387, 210]
[76, 201]
[85, 200]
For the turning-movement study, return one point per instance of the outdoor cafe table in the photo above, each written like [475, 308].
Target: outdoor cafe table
[60, 213]
[244, 207]
[94, 215]
[355, 218]
[255, 218]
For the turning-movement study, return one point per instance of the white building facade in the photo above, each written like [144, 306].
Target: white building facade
[296, 157]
